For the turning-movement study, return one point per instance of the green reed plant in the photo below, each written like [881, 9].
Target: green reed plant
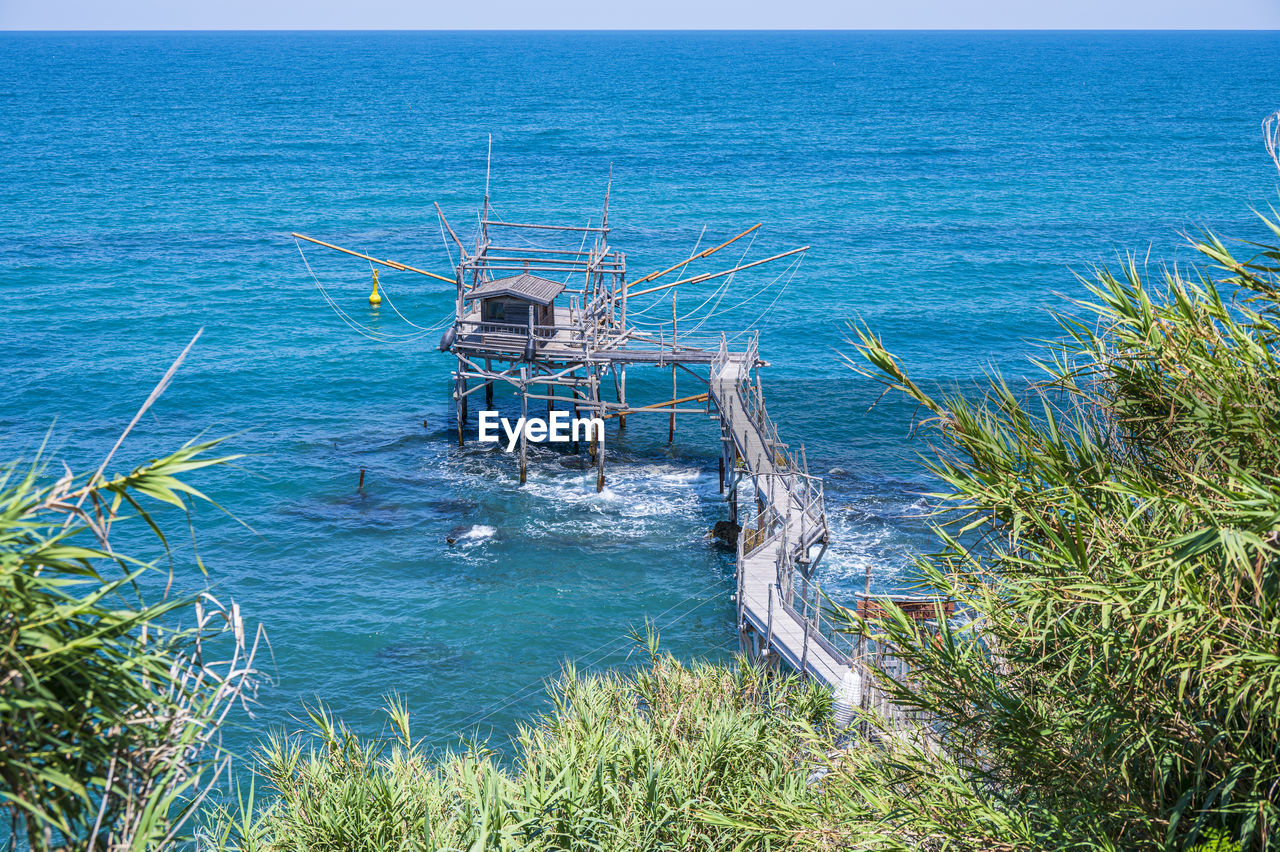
[622, 761]
[1112, 677]
[109, 706]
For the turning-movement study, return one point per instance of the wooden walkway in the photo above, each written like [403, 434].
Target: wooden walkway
[790, 521]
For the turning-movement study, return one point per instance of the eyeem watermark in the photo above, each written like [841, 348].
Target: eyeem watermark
[559, 427]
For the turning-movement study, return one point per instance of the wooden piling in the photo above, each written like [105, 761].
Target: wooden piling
[671, 429]
[459, 393]
[622, 392]
[488, 386]
[524, 413]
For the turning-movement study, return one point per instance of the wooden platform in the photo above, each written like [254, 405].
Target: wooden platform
[572, 341]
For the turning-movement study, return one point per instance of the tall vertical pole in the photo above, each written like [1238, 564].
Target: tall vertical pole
[488, 167]
[671, 430]
[622, 387]
[488, 385]
[600, 465]
[622, 286]
[458, 381]
[459, 392]
[573, 392]
[524, 414]
[597, 440]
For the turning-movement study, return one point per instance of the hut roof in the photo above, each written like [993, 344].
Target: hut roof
[524, 286]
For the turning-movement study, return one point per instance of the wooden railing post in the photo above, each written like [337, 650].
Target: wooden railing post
[768, 643]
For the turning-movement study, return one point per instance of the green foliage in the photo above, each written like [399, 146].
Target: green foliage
[1112, 676]
[106, 710]
[621, 762]
[109, 711]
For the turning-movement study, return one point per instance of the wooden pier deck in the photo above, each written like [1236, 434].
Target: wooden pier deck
[790, 521]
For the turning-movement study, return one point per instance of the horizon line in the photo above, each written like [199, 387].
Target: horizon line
[90, 30]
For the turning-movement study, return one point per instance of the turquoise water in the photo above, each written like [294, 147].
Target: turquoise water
[948, 184]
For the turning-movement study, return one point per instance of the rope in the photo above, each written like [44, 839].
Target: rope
[794, 265]
[518, 232]
[585, 234]
[718, 294]
[387, 294]
[766, 311]
[371, 333]
[448, 251]
[692, 255]
[724, 288]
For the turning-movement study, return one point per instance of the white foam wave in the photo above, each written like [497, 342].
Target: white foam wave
[479, 532]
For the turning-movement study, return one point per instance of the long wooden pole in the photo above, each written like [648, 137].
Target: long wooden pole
[488, 221]
[445, 222]
[658, 406]
[391, 263]
[651, 276]
[708, 276]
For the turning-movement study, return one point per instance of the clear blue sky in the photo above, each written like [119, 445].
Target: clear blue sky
[640, 14]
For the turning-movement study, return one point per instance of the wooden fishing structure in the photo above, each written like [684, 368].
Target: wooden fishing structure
[552, 324]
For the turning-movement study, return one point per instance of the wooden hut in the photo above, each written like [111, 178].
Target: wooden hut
[520, 304]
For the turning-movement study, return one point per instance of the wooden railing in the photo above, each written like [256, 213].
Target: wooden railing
[790, 522]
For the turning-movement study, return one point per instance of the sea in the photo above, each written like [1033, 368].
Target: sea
[954, 190]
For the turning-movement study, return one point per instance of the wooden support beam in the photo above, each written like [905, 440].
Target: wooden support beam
[661, 406]
[696, 279]
[390, 263]
[597, 439]
[622, 396]
[445, 222]
[531, 250]
[671, 430]
[524, 414]
[460, 393]
[543, 227]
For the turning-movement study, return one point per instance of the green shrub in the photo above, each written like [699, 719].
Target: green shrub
[1112, 677]
[620, 762]
[108, 708]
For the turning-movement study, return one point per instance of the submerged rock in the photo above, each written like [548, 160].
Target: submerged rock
[727, 531]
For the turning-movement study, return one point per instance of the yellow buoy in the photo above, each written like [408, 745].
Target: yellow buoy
[374, 298]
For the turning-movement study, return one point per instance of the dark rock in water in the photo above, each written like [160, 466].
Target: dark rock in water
[727, 531]
[426, 655]
[451, 541]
